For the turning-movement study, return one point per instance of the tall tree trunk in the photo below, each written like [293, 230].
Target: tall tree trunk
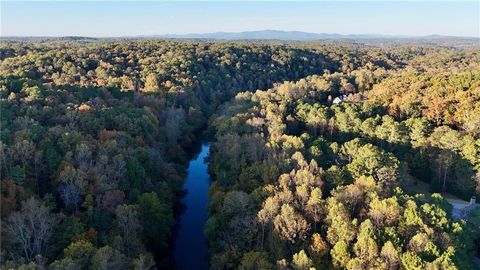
[444, 178]
[36, 177]
[263, 236]
[271, 237]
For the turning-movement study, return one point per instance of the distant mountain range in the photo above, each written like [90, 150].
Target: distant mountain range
[290, 35]
[260, 35]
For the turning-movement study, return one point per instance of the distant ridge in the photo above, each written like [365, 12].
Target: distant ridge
[45, 38]
[255, 35]
[292, 35]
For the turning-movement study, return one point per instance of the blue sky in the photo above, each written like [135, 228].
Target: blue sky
[127, 18]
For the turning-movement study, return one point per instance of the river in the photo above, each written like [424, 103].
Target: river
[190, 245]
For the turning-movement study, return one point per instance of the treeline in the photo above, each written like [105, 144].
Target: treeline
[301, 182]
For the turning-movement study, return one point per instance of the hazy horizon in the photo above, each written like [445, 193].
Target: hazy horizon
[240, 32]
[110, 19]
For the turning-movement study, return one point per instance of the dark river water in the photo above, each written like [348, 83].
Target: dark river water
[190, 247]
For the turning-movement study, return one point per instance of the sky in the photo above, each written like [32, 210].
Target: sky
[131, 18]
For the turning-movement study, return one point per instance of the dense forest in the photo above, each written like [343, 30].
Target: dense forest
[325, 155]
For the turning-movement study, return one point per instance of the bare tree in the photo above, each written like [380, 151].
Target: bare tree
[83, 157]
[175, 119]
[70, 195]
[130, 227]
[72, 186]
[31, 228]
